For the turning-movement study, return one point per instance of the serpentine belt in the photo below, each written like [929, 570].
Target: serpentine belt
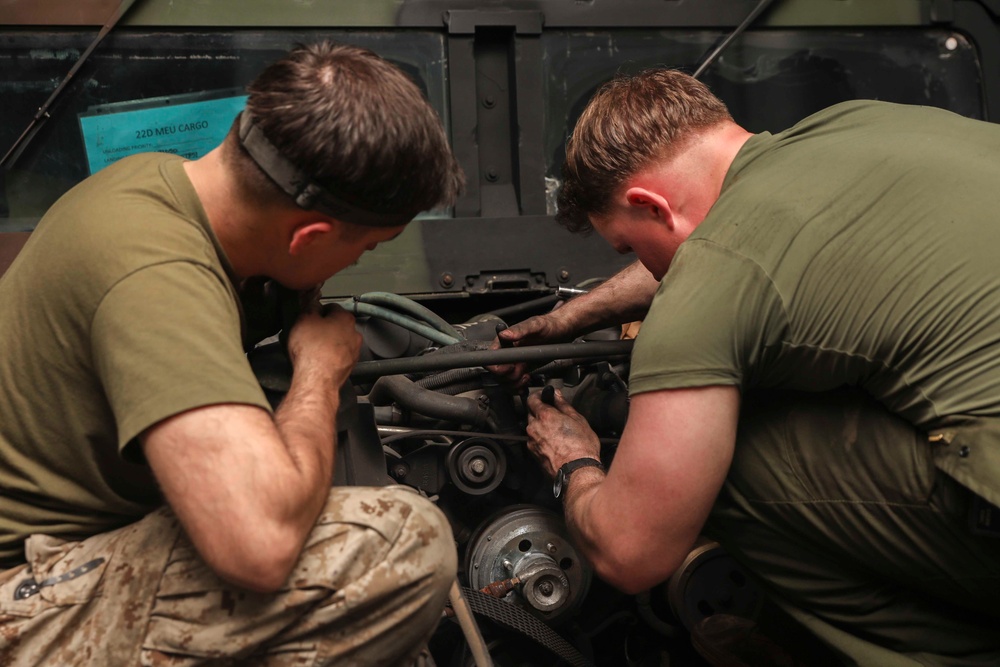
[514, 618]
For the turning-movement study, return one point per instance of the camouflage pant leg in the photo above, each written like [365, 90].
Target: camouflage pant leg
[368, 590]
[84, 603]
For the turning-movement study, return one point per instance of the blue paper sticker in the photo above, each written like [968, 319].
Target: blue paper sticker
[185, 125]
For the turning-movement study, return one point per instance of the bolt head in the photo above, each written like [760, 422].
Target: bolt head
[477, 465]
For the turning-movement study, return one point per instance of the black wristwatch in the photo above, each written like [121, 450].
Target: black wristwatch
[562, 477]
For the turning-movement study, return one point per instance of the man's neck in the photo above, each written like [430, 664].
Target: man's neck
[234, 222]
[699, 170]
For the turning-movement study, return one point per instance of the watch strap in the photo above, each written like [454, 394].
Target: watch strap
[562, 475]
[576, 464]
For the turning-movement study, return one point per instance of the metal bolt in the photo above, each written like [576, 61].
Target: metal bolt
[489, 102]
[546, 588]
[447, 280]
[484, 400]
[507, 565]
[399, 471]
[491, 175]
[477, 465]
[551, 548]
[563, 275]
[951, 43]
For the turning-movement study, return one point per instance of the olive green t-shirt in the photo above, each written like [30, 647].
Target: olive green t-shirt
[120, 312]
[860, 247]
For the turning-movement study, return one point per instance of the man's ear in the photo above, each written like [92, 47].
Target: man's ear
[650, 204]
[307, 234]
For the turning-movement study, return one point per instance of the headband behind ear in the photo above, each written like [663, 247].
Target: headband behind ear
[302, 188]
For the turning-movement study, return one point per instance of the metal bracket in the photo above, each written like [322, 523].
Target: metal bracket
[465, 21]
[504, 281]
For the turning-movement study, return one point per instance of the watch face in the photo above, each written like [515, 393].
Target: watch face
[557, 484]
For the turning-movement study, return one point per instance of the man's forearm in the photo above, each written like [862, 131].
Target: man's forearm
[637, 523]
[599, 528]
[248, 488]
[579, 497]
[306, 421]
[625, 297]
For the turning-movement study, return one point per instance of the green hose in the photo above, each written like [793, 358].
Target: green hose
[410, 307]
[389, 315]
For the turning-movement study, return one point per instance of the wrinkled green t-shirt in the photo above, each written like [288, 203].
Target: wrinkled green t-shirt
[859, 247]
[120, 312]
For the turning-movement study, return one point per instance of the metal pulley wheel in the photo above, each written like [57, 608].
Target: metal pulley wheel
[530, 544]
[476, 465]
[709, 582]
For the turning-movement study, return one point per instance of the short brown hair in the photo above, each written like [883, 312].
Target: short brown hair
[356, 124]
[630, 122]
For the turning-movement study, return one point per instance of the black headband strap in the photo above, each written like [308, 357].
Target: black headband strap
[301, 188]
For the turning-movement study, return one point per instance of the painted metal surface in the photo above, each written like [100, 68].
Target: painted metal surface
[509, 77]
[429, 13]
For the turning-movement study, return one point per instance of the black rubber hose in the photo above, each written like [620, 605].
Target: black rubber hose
[402, 390]
[463, 375]
[456, 389]
[537, 354]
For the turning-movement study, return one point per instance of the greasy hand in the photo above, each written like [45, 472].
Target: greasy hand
[558, 434]
[325, 340]
[537, 330]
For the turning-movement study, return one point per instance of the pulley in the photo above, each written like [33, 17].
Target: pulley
[531, 546]
[476, 465]
[709, 582]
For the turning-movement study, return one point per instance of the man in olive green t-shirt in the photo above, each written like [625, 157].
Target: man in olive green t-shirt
[817, 381]
[153, 508]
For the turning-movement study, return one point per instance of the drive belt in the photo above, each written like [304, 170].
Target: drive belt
[514, 618]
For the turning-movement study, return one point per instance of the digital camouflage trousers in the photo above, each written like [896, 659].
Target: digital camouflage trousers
[368, 589]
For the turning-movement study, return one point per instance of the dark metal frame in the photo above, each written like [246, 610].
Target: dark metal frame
[980, 21]
[592, 14]
[494, 83]
[496, 90]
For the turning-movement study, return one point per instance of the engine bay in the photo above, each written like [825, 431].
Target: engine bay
[423, 410]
